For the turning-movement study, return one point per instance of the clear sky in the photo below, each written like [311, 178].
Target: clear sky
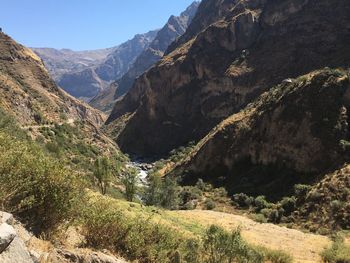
[83, 24]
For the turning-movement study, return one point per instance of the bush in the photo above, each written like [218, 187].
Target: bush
[35, 187]
[189, 194]
[337, 253]
[337, 205]
[260, 218]
[288, 204]
[222, 246]
[135, 238]
[261, 203]
[209, 204]
[276, 256]
[243, 200]
[301, 190]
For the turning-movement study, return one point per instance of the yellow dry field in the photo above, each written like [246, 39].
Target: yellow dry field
[304, 247]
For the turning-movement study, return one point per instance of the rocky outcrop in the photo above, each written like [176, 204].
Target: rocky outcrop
[291, 134]
[12, 247]
[242, 49]
[174, 28]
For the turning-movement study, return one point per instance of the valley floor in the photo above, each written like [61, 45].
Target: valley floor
[304, 247]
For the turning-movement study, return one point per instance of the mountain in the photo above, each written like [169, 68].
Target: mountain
[174, 28]
[83, 74]
[232, 52]
[61, 61]
[28, 92]
[65, 127]
[290, 134]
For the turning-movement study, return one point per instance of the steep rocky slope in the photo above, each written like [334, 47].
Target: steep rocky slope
[83, 74]
[245, 47]
[327, 205]
[174, 28]
[61, 61]
[292, 134]
[29, 94]
[64, 126]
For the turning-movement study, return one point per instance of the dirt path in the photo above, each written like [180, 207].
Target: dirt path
[303, 247]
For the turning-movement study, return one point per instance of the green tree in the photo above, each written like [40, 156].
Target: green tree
[130, 179]
[153, 192]
[103, 173]
[170, 193]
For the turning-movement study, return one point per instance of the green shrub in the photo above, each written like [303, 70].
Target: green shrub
[288, 204]
[192, 251]
[243, 200]
[209, 204]
[337, 253]
[222, 246]
[301, 190]
[33, 186]
[261, 203]
[276, 256]
[260, 218]
[134, 238]
[189, 194]
[337, 205]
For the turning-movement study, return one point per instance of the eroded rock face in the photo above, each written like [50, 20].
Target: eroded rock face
[232, 52]
[289, 135]
[174, 28]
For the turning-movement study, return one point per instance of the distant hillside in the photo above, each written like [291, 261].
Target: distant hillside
[84, 73]
[61, 61]
[174, 28]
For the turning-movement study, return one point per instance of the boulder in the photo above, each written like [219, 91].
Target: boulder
[7, 235]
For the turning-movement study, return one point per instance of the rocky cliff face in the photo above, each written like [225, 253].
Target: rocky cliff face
[30, 95]
[174, 28]
[291, 134]
[84, 74]
[119, 61]
[242, 49]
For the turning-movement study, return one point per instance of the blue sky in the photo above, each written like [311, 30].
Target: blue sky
[83, 24]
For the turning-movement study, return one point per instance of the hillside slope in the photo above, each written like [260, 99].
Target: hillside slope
[248, 47]
[29, 94]
[61, 61]
[85, 73]
[290, 135]
[173, 29]
[65, 127]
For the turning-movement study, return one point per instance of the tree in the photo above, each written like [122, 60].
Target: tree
[170, 193]
[130, 179]
[153, 192]
[103, 173]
